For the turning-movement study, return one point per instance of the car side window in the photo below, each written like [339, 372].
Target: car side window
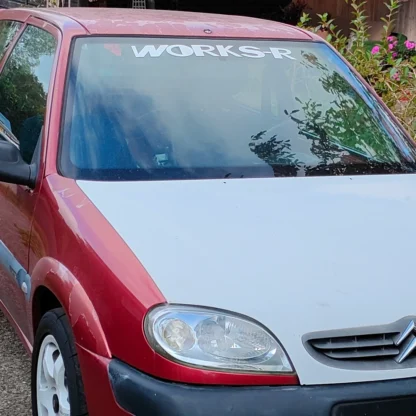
[8, 30]
[24, 85]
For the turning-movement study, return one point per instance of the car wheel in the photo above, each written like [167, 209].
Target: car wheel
[57, 387]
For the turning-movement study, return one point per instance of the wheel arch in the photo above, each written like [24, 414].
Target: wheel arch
[53, 285]
[43, 301]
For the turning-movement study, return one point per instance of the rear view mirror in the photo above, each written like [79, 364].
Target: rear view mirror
[13, 169]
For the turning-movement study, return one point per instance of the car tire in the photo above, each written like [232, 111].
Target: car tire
[56, 376]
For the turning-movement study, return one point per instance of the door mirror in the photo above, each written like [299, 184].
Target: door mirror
[13, 169]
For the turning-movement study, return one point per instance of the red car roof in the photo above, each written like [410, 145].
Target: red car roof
[102, 21]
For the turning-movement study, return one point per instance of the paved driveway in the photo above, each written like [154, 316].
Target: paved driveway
[14, 373]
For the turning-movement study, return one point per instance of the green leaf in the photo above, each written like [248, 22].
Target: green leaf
[393, 72]
[329, 38]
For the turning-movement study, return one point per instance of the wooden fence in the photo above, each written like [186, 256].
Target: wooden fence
[376, 9]
[407, 19]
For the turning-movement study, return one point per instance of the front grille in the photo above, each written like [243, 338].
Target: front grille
[390, 346]
[375, 346]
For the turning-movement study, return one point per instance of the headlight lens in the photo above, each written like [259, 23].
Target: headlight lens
[210, 338]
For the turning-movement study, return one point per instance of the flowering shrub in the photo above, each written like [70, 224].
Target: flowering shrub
[389, 66]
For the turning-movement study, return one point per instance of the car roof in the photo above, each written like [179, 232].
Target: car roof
[106, 21]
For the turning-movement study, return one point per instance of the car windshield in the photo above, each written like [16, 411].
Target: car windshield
[162, 108]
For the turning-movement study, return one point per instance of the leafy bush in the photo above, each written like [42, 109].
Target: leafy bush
[389, 65]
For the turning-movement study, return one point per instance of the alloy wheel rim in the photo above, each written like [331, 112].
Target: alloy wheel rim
[51, 381]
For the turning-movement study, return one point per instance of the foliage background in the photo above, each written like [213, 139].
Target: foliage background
[389, 66]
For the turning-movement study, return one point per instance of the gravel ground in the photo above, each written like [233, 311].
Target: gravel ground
[14, 373]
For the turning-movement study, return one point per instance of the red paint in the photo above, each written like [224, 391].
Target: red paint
[97, 386]
[81, 313]
[17, 206]
[74, 252]
[168, 23]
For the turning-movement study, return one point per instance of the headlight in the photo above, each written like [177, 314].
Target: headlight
[215, 339]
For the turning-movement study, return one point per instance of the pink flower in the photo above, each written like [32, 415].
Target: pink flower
[391, 46]
[375, 50]
[390, 39]
[395, 55]
[396, 77]
[409, 45]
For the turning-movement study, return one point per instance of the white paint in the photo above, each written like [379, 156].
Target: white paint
[201, 50]
[51, 379]
[251, 52]
[280, 53]
[297, 254]
[184, 51]
[24, 288]
[180, 50]
[150, 50]
[226, 51]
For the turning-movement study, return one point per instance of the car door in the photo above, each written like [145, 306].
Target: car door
[25, 80]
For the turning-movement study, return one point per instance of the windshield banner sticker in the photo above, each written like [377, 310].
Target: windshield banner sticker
[184, 51]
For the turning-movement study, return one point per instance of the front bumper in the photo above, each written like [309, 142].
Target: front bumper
[142, 395]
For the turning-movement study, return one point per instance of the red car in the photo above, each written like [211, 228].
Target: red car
[201, 215]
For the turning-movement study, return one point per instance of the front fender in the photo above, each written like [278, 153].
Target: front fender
[86, 327]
